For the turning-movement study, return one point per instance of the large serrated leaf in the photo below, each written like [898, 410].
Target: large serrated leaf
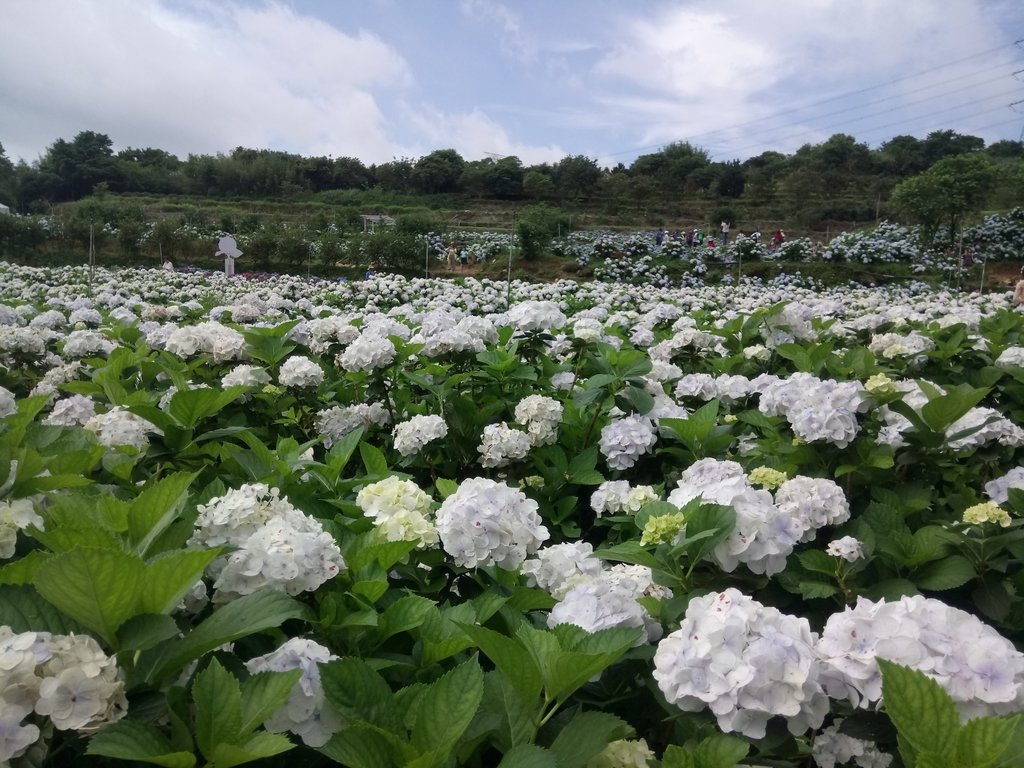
[170, 576]
[131, 740]
[190, 406]
[248, 614]
[984, 739]
[263, 694]
[218, 700]
[585, 736]
[25, 610]
[359, 693]
[99, 588]
[528, 756]
[948, 573]
[720, 751]
[258, 746]
[923, 713]
[446, 710]
[153, 510]
[512, 658]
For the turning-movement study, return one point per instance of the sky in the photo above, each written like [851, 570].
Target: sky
[539, 79]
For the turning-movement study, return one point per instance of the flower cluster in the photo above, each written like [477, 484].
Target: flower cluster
[625, 440]
[618, 496]
[980, 669]
[277, 546]
[489, 523]
[501, 445]
[412, 435]
[67, 678]
[336, 422]
[744, 661]
[400, 509]
[15, 515]
[540, 415]
[306, 713]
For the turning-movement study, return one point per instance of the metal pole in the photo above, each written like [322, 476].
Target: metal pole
[981, 288]
[511, 241]
[426, 259]
[92, 254]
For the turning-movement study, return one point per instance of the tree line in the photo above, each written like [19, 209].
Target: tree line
[839, 178]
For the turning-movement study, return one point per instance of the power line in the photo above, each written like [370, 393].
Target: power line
[793, 110]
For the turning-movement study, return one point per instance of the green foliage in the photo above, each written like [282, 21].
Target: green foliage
[930, 733]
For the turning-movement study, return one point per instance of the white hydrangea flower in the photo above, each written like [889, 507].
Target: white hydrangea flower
[489, 523]
[764, 535]
[306, 713]
[832, 748]
[334, 423]
[618, 496]
[72, 411]
[541, 416]
[86, 343]
[7, 403]
[559, 567]
[848, 548]
[15, 515]
[999, 489]
[745, 662]
[1011, 356]
[81, 687]
[400, 509]
[623, 753]
[599, 604]
[277, 546]
[501, 444]
[245, 376]
[120, 427]
[534, 316]
[625, 440]
[369, 352]
[814, 501]
[979, 668]
[300, 372]
[412, 435]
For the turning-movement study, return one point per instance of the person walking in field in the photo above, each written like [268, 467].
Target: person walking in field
[452, 254]
[725, 233]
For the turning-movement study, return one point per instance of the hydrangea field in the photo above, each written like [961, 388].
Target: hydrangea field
[571, 525]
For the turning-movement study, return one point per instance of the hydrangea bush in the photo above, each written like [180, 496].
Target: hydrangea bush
[411, 522]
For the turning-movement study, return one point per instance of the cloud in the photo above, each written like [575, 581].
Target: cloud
[200, 77]
[745, 76]
[474, 135]
[510, 29]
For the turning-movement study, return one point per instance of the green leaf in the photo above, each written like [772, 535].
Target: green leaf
[816, 561]
[445, 487]
[720, 751]
[511, 658]
[528, 756]
[248, 614]
[25, 610]
[404, 614]
[629, 552]
[99, 588]
[169, 577]
[446, 710]
[373, 460]
[144, 631]
[258, 746]
[984, 739]
[677, 757]
[516, 715]
[263, 694]
[153, 510]
[218, 700]
[923, 713]
[363, 746]
[131, 740]
[190, 406]
[358, 692]
[716, 520]
[949, 573]
[940, 412]
[586, 736]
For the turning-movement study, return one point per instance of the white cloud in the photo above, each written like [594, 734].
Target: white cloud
[510, 32]
[474, 135]
[200, 78]
[731, 74]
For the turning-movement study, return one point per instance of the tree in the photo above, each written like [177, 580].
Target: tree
[576, 176]
[537, 184]
[80, 164]
[438, 172]
[947, 192]
[6, 178]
